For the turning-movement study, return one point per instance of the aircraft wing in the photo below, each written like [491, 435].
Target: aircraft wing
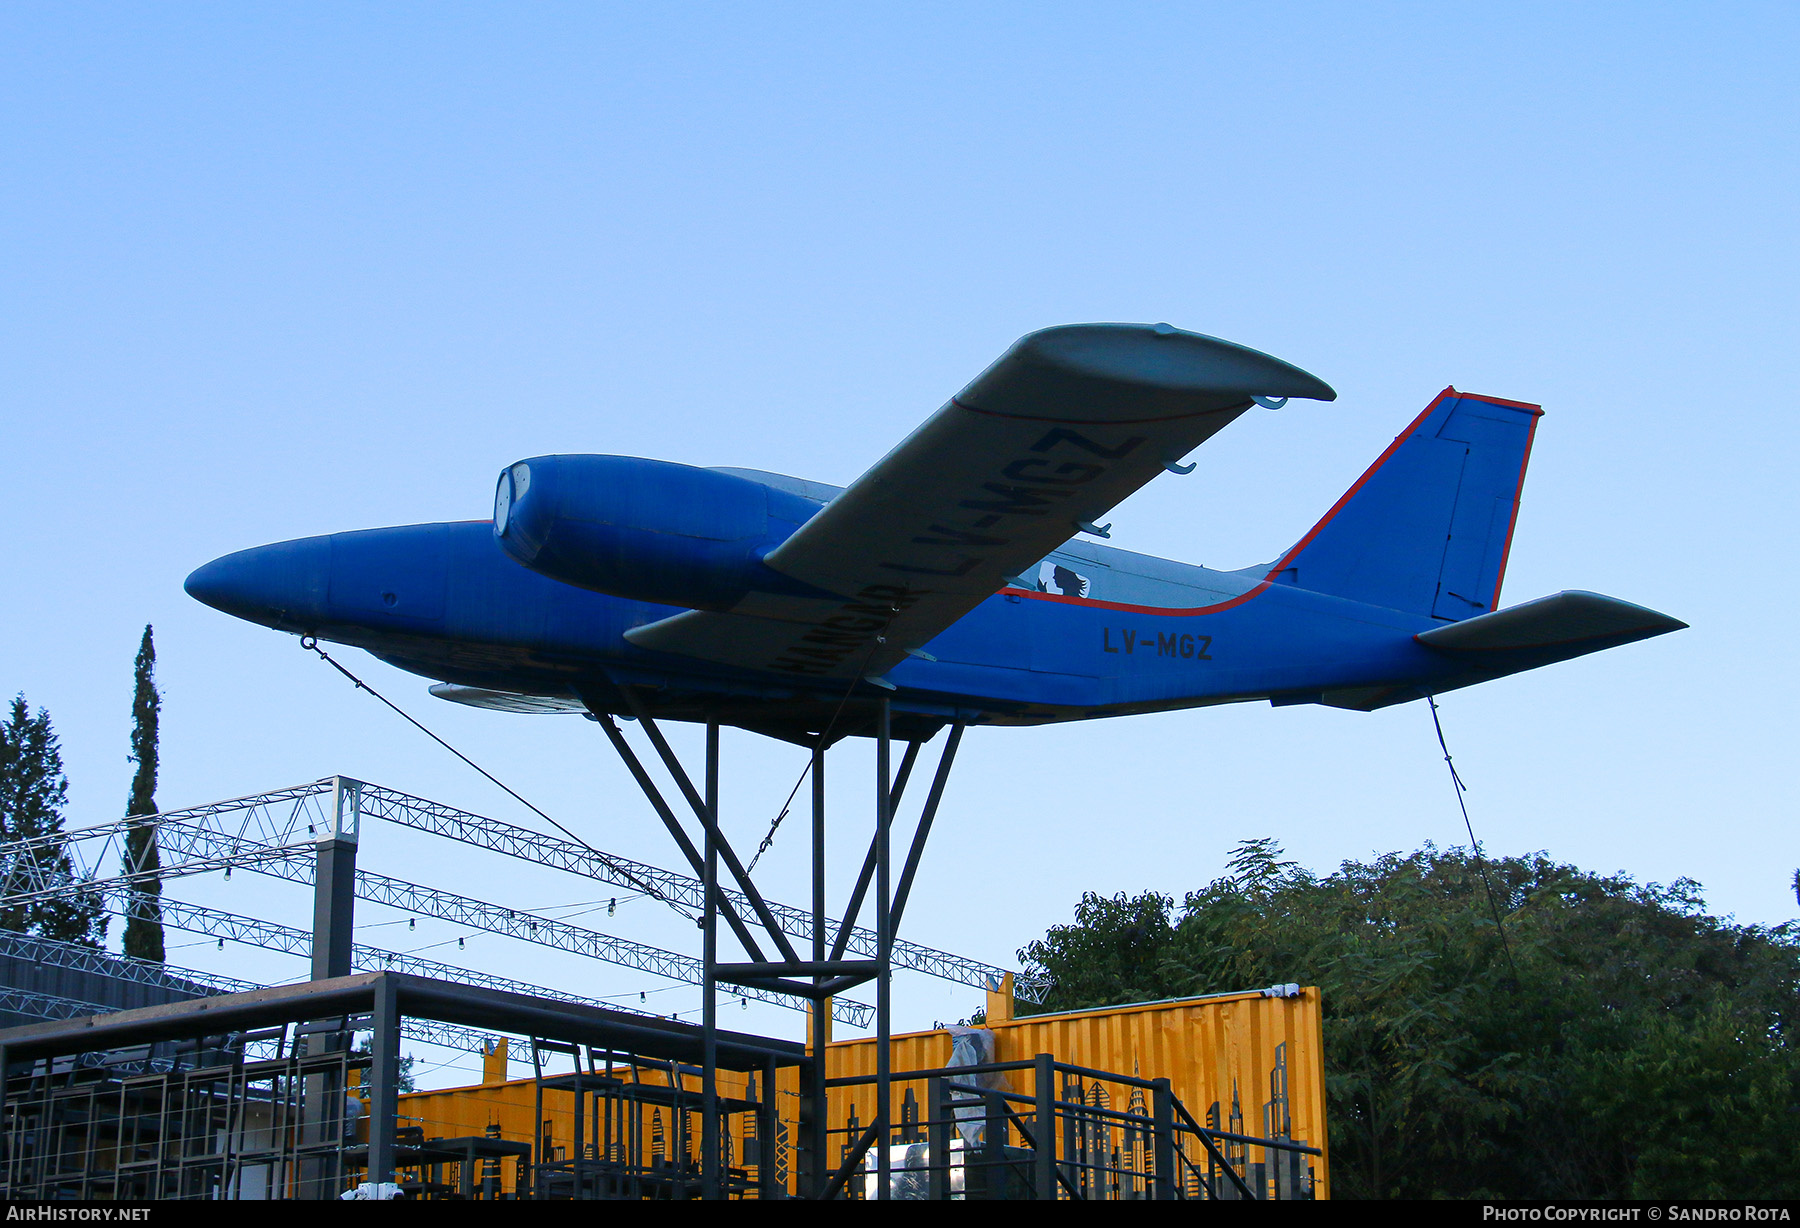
[1066, 423]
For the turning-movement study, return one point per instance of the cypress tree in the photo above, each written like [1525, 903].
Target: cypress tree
[33, 791]
[143, 924]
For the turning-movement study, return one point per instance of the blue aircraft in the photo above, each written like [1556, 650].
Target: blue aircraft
[957, 578]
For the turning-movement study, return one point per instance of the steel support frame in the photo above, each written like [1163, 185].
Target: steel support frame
[278, 824]
[827, 973]
[388, 999]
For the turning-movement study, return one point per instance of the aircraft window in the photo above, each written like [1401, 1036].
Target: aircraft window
[1068, 583]
[521, 479]
[1050, 576]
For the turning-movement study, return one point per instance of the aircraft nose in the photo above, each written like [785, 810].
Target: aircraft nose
[281, 586]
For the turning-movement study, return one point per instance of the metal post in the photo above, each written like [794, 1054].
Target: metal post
[693, 856]
[1044, 1155]
[699, 806]
[1162, 1106]
[334, 882]
[8, 1137]
[710, 1185]
[884, 942]
[993, 1146]
[938, 1127]
[540, 1152]
[814, 1119]
[384, 1075]
[768, 1137]
[322, 1116]
[854, 908]
[578, 1128]
[818, 852]
[923, 831]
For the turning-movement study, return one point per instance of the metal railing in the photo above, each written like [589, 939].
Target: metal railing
[1072, 1133]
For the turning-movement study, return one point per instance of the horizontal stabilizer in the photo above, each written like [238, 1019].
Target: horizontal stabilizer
[1553, 628]
[505, 701]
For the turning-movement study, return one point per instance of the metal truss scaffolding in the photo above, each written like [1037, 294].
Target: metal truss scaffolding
[292, 838]
[277, 830]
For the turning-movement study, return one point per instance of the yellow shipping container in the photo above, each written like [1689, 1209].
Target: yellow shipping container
[1248, 1063]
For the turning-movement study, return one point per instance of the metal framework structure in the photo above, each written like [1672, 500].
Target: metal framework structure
[46, 1005]
[73, 1134]
[678, 890]
[275, 832]
[56, 1110]
[79, 958]
[268, 838]
[268, 935]
[263, 833]
[825, 972]
[287, 939]
[86, 1111]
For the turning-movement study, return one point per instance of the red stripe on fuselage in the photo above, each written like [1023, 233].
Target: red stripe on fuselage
[1188, 612]
[1091, 603]
[1282, 563]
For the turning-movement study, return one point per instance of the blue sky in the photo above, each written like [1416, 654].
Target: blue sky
[269, 271]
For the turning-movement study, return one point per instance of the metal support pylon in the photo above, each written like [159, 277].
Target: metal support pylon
[884, 940]
[712, 1183]
[827, 973]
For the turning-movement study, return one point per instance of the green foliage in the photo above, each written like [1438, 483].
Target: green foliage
[143, 922]
[1113, 953]
[1618, 1043]
[403, 1069]
[33, 791]
[1726, 1100]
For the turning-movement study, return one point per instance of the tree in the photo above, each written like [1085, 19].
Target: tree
[1114, 953]
[1616, 1042]
[33, 791]
[143, 921]
[403, 1069]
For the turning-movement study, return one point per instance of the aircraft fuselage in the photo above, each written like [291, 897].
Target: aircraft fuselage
[444, 601]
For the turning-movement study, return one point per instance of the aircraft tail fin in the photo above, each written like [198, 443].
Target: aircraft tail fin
[1427, 528]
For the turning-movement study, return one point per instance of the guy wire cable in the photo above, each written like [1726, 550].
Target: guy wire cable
[1475, 845]
[311, 643]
